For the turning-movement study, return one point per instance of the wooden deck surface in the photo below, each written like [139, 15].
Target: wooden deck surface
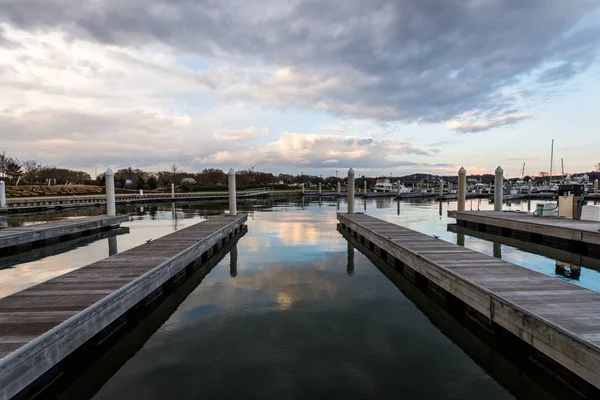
[30, 313]
[22, 235]
[559, 319]
[582, 231]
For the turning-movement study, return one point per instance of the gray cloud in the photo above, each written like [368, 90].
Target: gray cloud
[404, 60]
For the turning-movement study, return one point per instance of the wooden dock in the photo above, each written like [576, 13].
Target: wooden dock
[559, 320]
[31, 235]
[566, 234]
[575, 259]
[42, 325]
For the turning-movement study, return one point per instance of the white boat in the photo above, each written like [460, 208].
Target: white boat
[400, 188]
[383, 185]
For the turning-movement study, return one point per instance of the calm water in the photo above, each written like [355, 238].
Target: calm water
[295, 312]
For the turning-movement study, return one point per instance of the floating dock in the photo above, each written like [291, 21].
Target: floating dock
[558, 320]
[575, 259]
[567, 234]
[31, 235]
[42, 325]
[501, 359]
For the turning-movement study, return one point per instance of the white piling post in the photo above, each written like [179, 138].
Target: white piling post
[441, 187]
[3, 194]
[462, 189]
[596, 186]
[232, 194]
[172, 190]
[399, 183]
[319, 187]
[339, 188]
[141, 192]
[350, 191]
[111, 207]
[498, 189]
[529, 187]
[365, 187]
[303, 188]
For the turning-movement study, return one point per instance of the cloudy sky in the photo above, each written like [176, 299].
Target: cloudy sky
[309, 86]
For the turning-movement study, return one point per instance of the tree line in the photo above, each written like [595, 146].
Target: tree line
[30, 171]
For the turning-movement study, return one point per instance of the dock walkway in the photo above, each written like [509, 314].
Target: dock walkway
[558, 319]
[44, 324]
[565, 233]
[30, 234]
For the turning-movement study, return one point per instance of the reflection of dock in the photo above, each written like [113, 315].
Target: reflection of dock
[14, 238]
[567, 234]
[42, 325]
[499, 357]
[556, 319]
[536, 248]
[103, 359]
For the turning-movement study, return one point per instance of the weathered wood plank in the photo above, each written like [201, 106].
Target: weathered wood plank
[579, 231]
[14, 237]
[557, 318]
[41, 325]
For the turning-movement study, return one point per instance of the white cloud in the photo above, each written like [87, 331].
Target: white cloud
[469, 122]
[242, 135]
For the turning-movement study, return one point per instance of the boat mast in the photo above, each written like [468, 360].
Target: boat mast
[551, 162]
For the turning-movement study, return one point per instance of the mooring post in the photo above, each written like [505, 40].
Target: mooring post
[3, 194]
[172, 190]
[232, 194]
[441, 187]
[111, 207]
[498, 189]
[529, 187]
[339, 188]
[319, 187]
[350, 191]
[462, 188]
[596, 186]
[365, 186]
[303, 188]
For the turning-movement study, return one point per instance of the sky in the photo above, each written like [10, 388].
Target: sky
[302, 86]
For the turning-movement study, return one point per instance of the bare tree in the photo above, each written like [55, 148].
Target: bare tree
[174, 168]
[3, 162]
[31, 168]
[598, 167]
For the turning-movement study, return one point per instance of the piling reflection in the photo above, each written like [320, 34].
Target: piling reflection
[497, 250]
[112, 246]
[233, 261]
[460, 239]
[350, 267]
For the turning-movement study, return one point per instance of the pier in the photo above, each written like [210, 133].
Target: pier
[12, 239]
[43, 325]
[557, 320]
[567, 234]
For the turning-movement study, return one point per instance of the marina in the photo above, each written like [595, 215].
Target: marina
[44, 324]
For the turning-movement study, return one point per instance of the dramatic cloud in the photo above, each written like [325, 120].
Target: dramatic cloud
[383, 59]
[201, 81]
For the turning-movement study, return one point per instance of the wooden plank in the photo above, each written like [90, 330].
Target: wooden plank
[579, 231]
[19, 236]
[549, 314]
[56, 317]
